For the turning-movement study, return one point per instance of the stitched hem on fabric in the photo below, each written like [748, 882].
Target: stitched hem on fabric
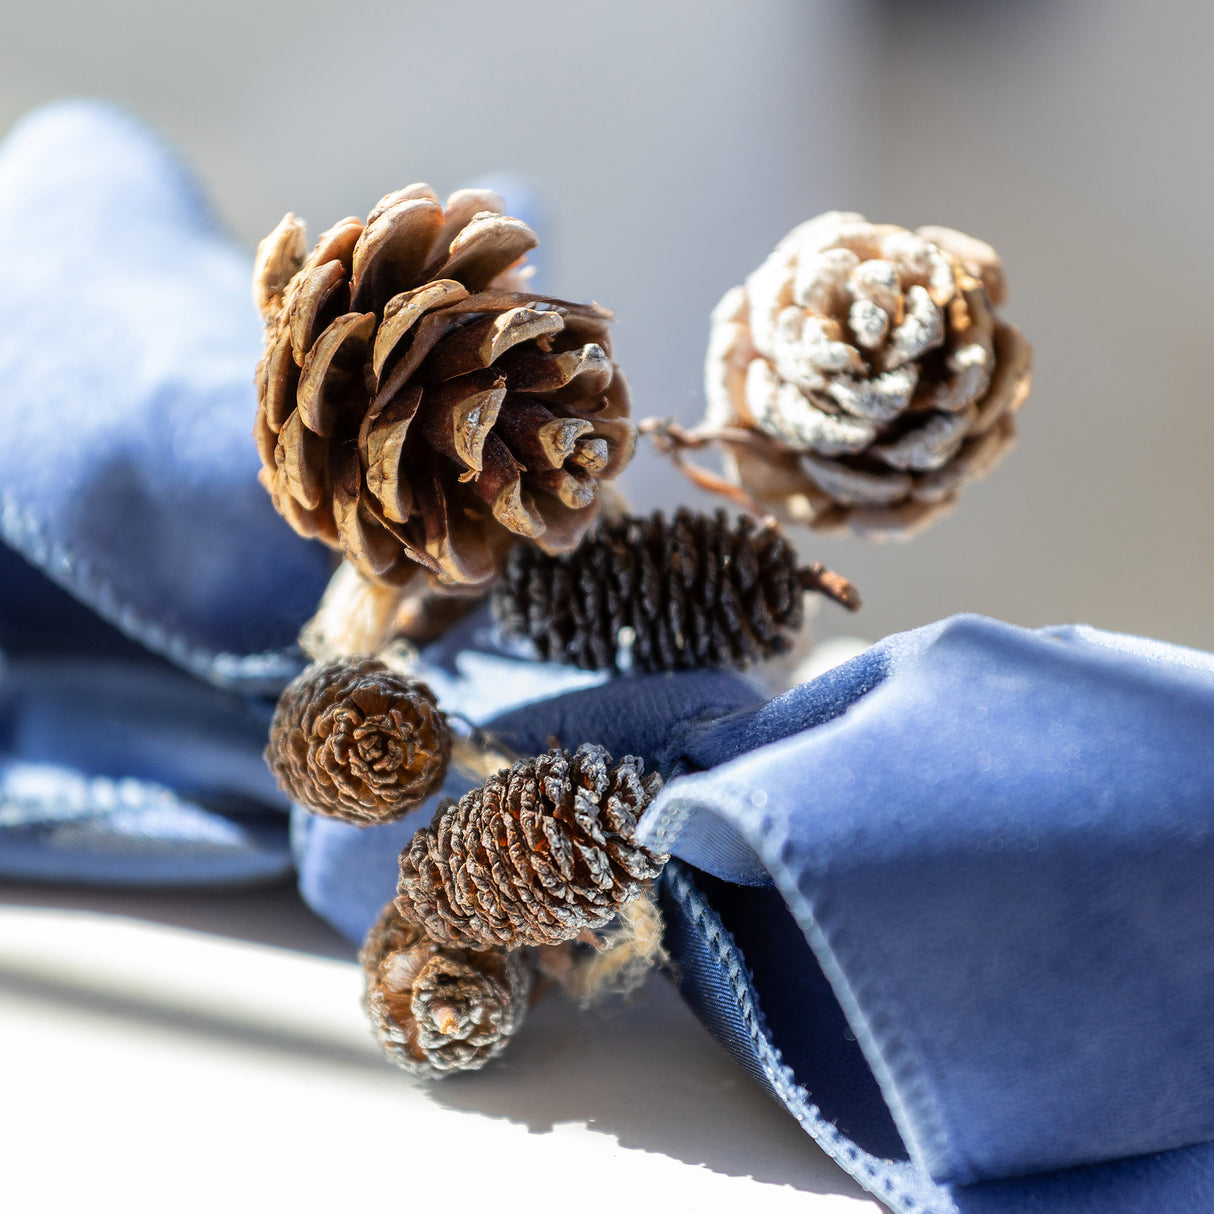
[78, 798]
[664, 824]
[100, 831]
[890, 1057]
[880, 1177]
[246, 672]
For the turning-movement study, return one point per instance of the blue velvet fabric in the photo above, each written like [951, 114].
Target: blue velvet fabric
[1028, 814]
[127, 334]
[949, 903]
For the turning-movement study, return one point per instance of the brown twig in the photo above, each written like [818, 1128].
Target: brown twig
[673, 441]
[832, 585]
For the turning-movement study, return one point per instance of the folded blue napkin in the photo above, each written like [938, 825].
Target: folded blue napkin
[949, 903]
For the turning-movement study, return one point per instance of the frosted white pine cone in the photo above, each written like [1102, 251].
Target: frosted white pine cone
[861, 376]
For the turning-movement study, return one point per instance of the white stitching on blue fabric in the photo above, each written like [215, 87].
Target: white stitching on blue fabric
[82, 798]
[20, 531]
[852, 1158]
[666, 824]
[931, 1137]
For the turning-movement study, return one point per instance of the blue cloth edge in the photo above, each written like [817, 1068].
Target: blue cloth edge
[900, 1184]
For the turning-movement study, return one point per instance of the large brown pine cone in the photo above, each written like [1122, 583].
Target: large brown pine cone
[352, 739]
[864, 375]
[652, 594]
[416, 408]
[437, 1009]
[540, 852]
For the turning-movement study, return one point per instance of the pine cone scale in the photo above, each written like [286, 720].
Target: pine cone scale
[538, 437]
[461, 209]
[1010, 383]
[384, 444]
[337, 243]
[365, 541]
[584, 370]
[330, 380]
[406, 310]
[429, 311]
[278, 374]
[393, 249]
[485, 247]
[279, 258]
[323, 289]
[458, 417]
[302, 464]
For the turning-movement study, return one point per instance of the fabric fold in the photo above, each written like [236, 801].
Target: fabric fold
[127, 474]
[1000, 854]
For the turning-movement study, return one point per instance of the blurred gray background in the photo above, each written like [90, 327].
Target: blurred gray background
[673, 143]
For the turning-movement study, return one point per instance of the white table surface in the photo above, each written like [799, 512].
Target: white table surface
[206, 1051]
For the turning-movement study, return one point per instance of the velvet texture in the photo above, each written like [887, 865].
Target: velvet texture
[949, 903]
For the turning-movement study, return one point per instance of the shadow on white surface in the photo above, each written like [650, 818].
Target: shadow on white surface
[644, 1074]
[650, 1076]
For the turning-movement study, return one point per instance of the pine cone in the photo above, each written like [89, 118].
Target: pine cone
[541, 851]
[646, 594]
[436, 1009]
[353, 740]
[416, 408]
[863, 374]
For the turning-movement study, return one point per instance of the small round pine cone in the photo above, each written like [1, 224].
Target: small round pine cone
[647, 594]
[436, 1009]
[860, 376]
[419, 410]
[538, 853]
[354, 740]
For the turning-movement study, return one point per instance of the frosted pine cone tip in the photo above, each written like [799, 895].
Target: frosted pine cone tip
[418, 409]
[860, 377]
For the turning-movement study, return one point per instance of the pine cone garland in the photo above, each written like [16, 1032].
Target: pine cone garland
[860, 377]
[539, 852]
[436, 1009]
[646, 594]
[416, 408]
[353, 740]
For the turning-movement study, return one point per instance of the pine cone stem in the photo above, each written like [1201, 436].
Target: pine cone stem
[673, 441]
[614, 961]
[479, 757]
[355, 617]
[820, 580]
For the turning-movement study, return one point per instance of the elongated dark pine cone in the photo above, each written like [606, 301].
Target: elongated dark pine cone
[535, 855]
[649, 594]
[437, 1009]
[417, 408]
[354, 740]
